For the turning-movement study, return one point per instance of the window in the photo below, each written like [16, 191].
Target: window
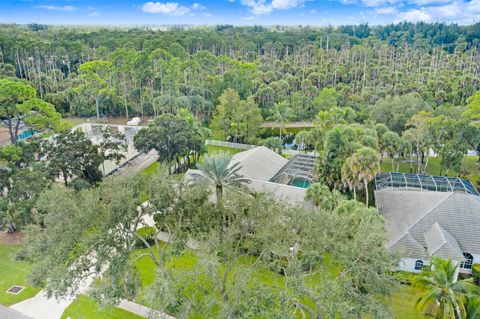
[418, 265]
[467, 264]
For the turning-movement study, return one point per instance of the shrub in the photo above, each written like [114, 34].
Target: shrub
[147, 233]
[476, 273]
[404, 277]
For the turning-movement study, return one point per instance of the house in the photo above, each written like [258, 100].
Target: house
[267, 171]
[429, 216]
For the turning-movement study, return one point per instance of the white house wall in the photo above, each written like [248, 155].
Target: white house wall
[476, 260]
[408, 264]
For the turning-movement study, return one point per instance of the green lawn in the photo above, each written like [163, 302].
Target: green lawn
[433, 168]
[85, 308]
[212, 149]
[152, 169]
[187, 262]
[402, 304]
[74, 121]
[13, 272]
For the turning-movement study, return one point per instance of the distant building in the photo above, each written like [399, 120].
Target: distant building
[94, 132]
[429, 216]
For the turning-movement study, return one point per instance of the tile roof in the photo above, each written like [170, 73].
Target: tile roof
[260, 163]
[441, 243]
[443, 223]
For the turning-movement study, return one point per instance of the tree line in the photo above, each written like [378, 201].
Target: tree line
[145, 72]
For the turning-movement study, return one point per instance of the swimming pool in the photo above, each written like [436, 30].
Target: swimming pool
[26, 135]
[299, 182]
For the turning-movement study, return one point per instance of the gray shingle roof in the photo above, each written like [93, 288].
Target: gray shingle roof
[289, 193]
[416, 212]
[441, 243]
[260, 163]
[407, 245]
[258, 166]
[402, 209]
[280, 191]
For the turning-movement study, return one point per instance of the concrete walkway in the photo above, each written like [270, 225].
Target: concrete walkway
[142, 310]
[138, 164]
[9, 313]
[42, 307]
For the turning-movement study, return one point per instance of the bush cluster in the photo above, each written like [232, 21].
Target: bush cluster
[405, 277]
[476, 273]
[147, 233]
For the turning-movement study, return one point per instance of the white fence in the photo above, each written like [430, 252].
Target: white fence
[229, 144]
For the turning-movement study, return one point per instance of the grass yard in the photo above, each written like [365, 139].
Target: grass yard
[13, 272]
[74, 121]
[152, 169]
[402, 304]
[212, 149]
[85, 308]
[187, 262]
[433, 168]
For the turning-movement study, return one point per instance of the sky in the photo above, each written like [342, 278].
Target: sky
[237, 12]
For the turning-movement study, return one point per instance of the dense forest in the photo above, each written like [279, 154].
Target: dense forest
[149, 71]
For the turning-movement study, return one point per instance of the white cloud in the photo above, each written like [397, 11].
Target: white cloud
[168, 8]
[429, 2]
[57, 8]
[414, 15]
[197, 6]
[260, 7]
[450, 11]
[456, 12]
[313, 11]
[372, 3]
[286, 4]
[93, 14]
[474, 8]
[386, 10]
[208, 14]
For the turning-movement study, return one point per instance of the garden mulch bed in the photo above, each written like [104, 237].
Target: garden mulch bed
[11, 239]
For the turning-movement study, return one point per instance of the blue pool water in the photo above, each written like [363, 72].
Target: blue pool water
[26, 135]
[299, 182]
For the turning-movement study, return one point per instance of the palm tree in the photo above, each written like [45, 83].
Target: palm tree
[322, 197]
[473, 307]
[391, 142]
[365, 165]
[350, 178]
[281, 114]
[442, 296]
[216, 170]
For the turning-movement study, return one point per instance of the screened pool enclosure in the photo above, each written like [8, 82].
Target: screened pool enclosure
[424, 182]
[299, 171]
